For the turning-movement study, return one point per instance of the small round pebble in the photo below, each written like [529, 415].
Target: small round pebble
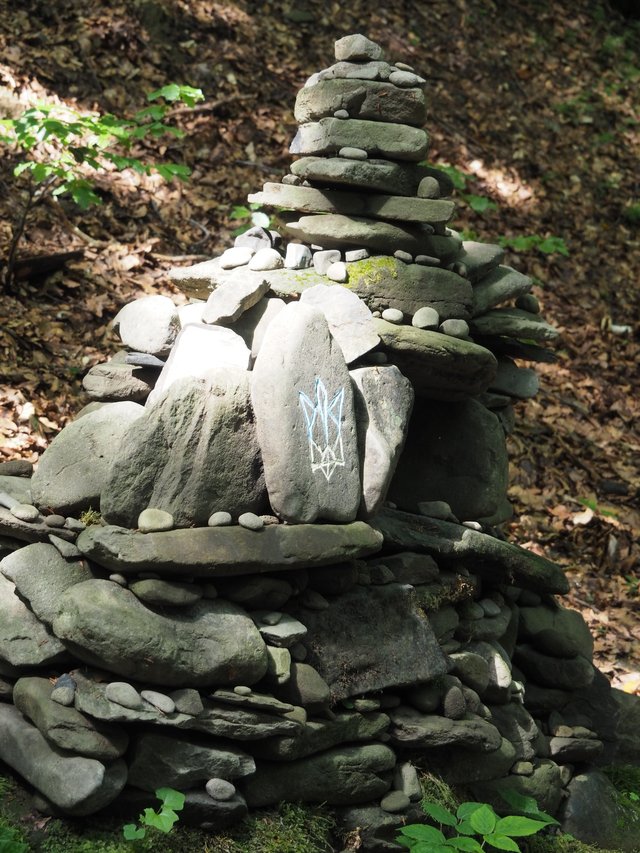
[75, 524]
[338, 272]
[428, 188]
[393, 315]
[251, 521]
[55, 520]
[455, 328]
[405, 257]
[402, 66]
[350, 153]
[242, 690]
[490, 607]
[118, 578]
[220, 789]
[272, 618]
[352, 255]
[427, 261]
[219, 519]
[152, 520]
[426, 318]
[292, 180]
[163, 703]
[522, 768]
[453, 704]
[459, 269]
[473, 525]
[64, 690]
[123, 694]
[237, 256]
[341, 114]
[395, 801]
[266, 259]
[25, 512]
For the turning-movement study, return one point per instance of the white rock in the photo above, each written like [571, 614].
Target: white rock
[149, 324]
[237, 256]
[338, 272]
[297, 257]
[191, 313]
[266, 259]
[393, 315]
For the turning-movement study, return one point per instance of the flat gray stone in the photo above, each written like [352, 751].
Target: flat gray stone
[459, 766]
[211, 642]
[187, 701]
[285, 633]
[229, 301]
[152, 520]
[374, 69]
[236, 256]
[303, 403]
[199, 349]
[195, 425]
[382, 175]
[412, 729]
[348, 774]
[220, 789]
[227, 551]
[66, 727]
[383, 403]
[472, 669]
[376, 101]
[519, 382]
[24, 640]
[479, 259]
[149, 324]
[513, 323]
[161, 701]
[73, 470]
[115, 381]
[350, 321]
[41, 575]
[124, 694]
[341, 648]
[516, 724]
[438, 366]
[379, 139]
[183, 761]
[499, 285]
[160, 593]
[78, 786]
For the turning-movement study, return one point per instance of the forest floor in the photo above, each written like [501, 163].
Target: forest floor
[539, 108]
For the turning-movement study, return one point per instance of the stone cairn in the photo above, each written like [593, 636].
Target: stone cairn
[296, 590]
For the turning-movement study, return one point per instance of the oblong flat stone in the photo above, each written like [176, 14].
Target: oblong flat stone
[438, 366]
[379, 139]
[372, 100]
[227, 551]
[312, 200]
[501, 284]
[212, 642]
[303, 403]
[514, 323]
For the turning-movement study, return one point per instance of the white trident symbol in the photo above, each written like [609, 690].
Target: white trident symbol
[324, 429]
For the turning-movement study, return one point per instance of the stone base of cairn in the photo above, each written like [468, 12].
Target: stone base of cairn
[296, 590]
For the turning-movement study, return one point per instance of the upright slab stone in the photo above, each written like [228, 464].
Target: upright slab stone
[384, 399]
[303, 402]
[24, 640]
[349, 319]
[192, 454]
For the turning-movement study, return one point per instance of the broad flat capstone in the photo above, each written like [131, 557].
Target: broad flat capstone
[24, 640]
[192, 454]
[73, 470]
[454, 452]
[149, 324]
[200, 348]
[227, 551]
[382, 281]
[348, 774]
[41, 575]
[184, 761]
[213, 642]
[375, 101]
[379, 139]
[66, 727]
[350, 321]
[383, 401]
[372, 638]
[303, 404]
[77, 785]
[439, 366]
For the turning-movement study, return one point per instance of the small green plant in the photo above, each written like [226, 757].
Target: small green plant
[546, 245]
[10, 841]
[163, 819]
[63, 149]
[631, 213]
[250, 216]
[474, 826]
[90, 516]
[477, 203]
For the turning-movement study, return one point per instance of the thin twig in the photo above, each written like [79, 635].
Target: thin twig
[209, 106]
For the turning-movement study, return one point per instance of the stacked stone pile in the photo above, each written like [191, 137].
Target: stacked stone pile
[295, 590]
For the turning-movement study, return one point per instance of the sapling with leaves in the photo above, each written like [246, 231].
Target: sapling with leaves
[63, 151]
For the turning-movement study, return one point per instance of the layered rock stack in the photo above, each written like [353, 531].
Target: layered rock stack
[294, 589]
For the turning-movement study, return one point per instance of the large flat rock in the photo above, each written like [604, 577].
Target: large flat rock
[24, 640]
[212, 642]
[227, 551]
[372, 100]
[378, 139]
[513, 323]
[303, 403]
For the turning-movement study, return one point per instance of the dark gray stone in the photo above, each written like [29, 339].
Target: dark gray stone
[24, 640]
[566, 623]
[595, 814]
[411, 729]
[499, 285]
[513, 323]
[517, 725]
[561, 673]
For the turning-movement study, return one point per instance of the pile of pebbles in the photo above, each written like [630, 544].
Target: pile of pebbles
[294, 588]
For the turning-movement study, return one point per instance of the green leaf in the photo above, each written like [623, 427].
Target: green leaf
[169, 93]
[83, 195]
[551, 245]
[240, 212]
[502, 842]
[518, 801]
[132, 832]
[439, 814]
[421, 832]
[517, 825]
[465, 828]
[465, 810]
[480, 203]
[171, 798]
[163, 820]
[458, 178]
[483, 820]
[466, 844]
[22, 167]
[156, 112]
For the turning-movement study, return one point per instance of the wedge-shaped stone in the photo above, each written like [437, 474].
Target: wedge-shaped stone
[372, 100]
[227, 551]
[501, 284]
[379, 139]
[334, 230]
[303, 402]
[439, 366]
[479, 258]
[372, 638]
[383, 399]
[350, 321]
[513, 323]
[78, 786]
[213, 642]
[349, 774]
[73, 469]
[24, 640]
[66, 727]
[192, 454]
[227, 302]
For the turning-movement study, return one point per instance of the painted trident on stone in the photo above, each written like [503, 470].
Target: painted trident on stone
[324, 428]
